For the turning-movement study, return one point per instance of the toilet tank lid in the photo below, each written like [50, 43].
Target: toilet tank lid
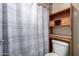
[60, 42]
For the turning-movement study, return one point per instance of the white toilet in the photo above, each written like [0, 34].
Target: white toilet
[60, 48]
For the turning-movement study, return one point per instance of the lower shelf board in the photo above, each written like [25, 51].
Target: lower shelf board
[59, 37]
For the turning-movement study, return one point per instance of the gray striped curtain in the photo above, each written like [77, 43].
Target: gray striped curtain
[26, 29]
[1, 33]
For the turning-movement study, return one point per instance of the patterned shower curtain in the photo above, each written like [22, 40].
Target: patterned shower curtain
[27, 29]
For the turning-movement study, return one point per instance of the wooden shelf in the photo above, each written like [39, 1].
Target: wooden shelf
[61, 10]
[61, 18]
[60, 37]
[65, 10]
[60, 26]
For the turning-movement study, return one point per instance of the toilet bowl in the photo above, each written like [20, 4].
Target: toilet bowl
[60, 48]
[51, 54]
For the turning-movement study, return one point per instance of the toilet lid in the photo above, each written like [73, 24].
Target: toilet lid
[51, 54]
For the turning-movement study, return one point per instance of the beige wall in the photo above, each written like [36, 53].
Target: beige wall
[75, 29]
[62, 30]
[56, 7]
[46, 5]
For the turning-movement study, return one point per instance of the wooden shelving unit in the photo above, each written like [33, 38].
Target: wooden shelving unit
[61, 19]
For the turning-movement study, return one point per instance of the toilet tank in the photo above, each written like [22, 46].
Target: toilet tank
[60, 48]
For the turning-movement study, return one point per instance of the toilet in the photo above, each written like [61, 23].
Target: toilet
[60, 48]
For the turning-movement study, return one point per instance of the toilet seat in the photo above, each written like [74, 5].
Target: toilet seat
[51, 54]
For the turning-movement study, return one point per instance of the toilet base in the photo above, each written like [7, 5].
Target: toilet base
[51, 54]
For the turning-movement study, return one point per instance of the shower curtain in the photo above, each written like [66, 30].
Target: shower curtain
[1, 39]
[27, 29]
